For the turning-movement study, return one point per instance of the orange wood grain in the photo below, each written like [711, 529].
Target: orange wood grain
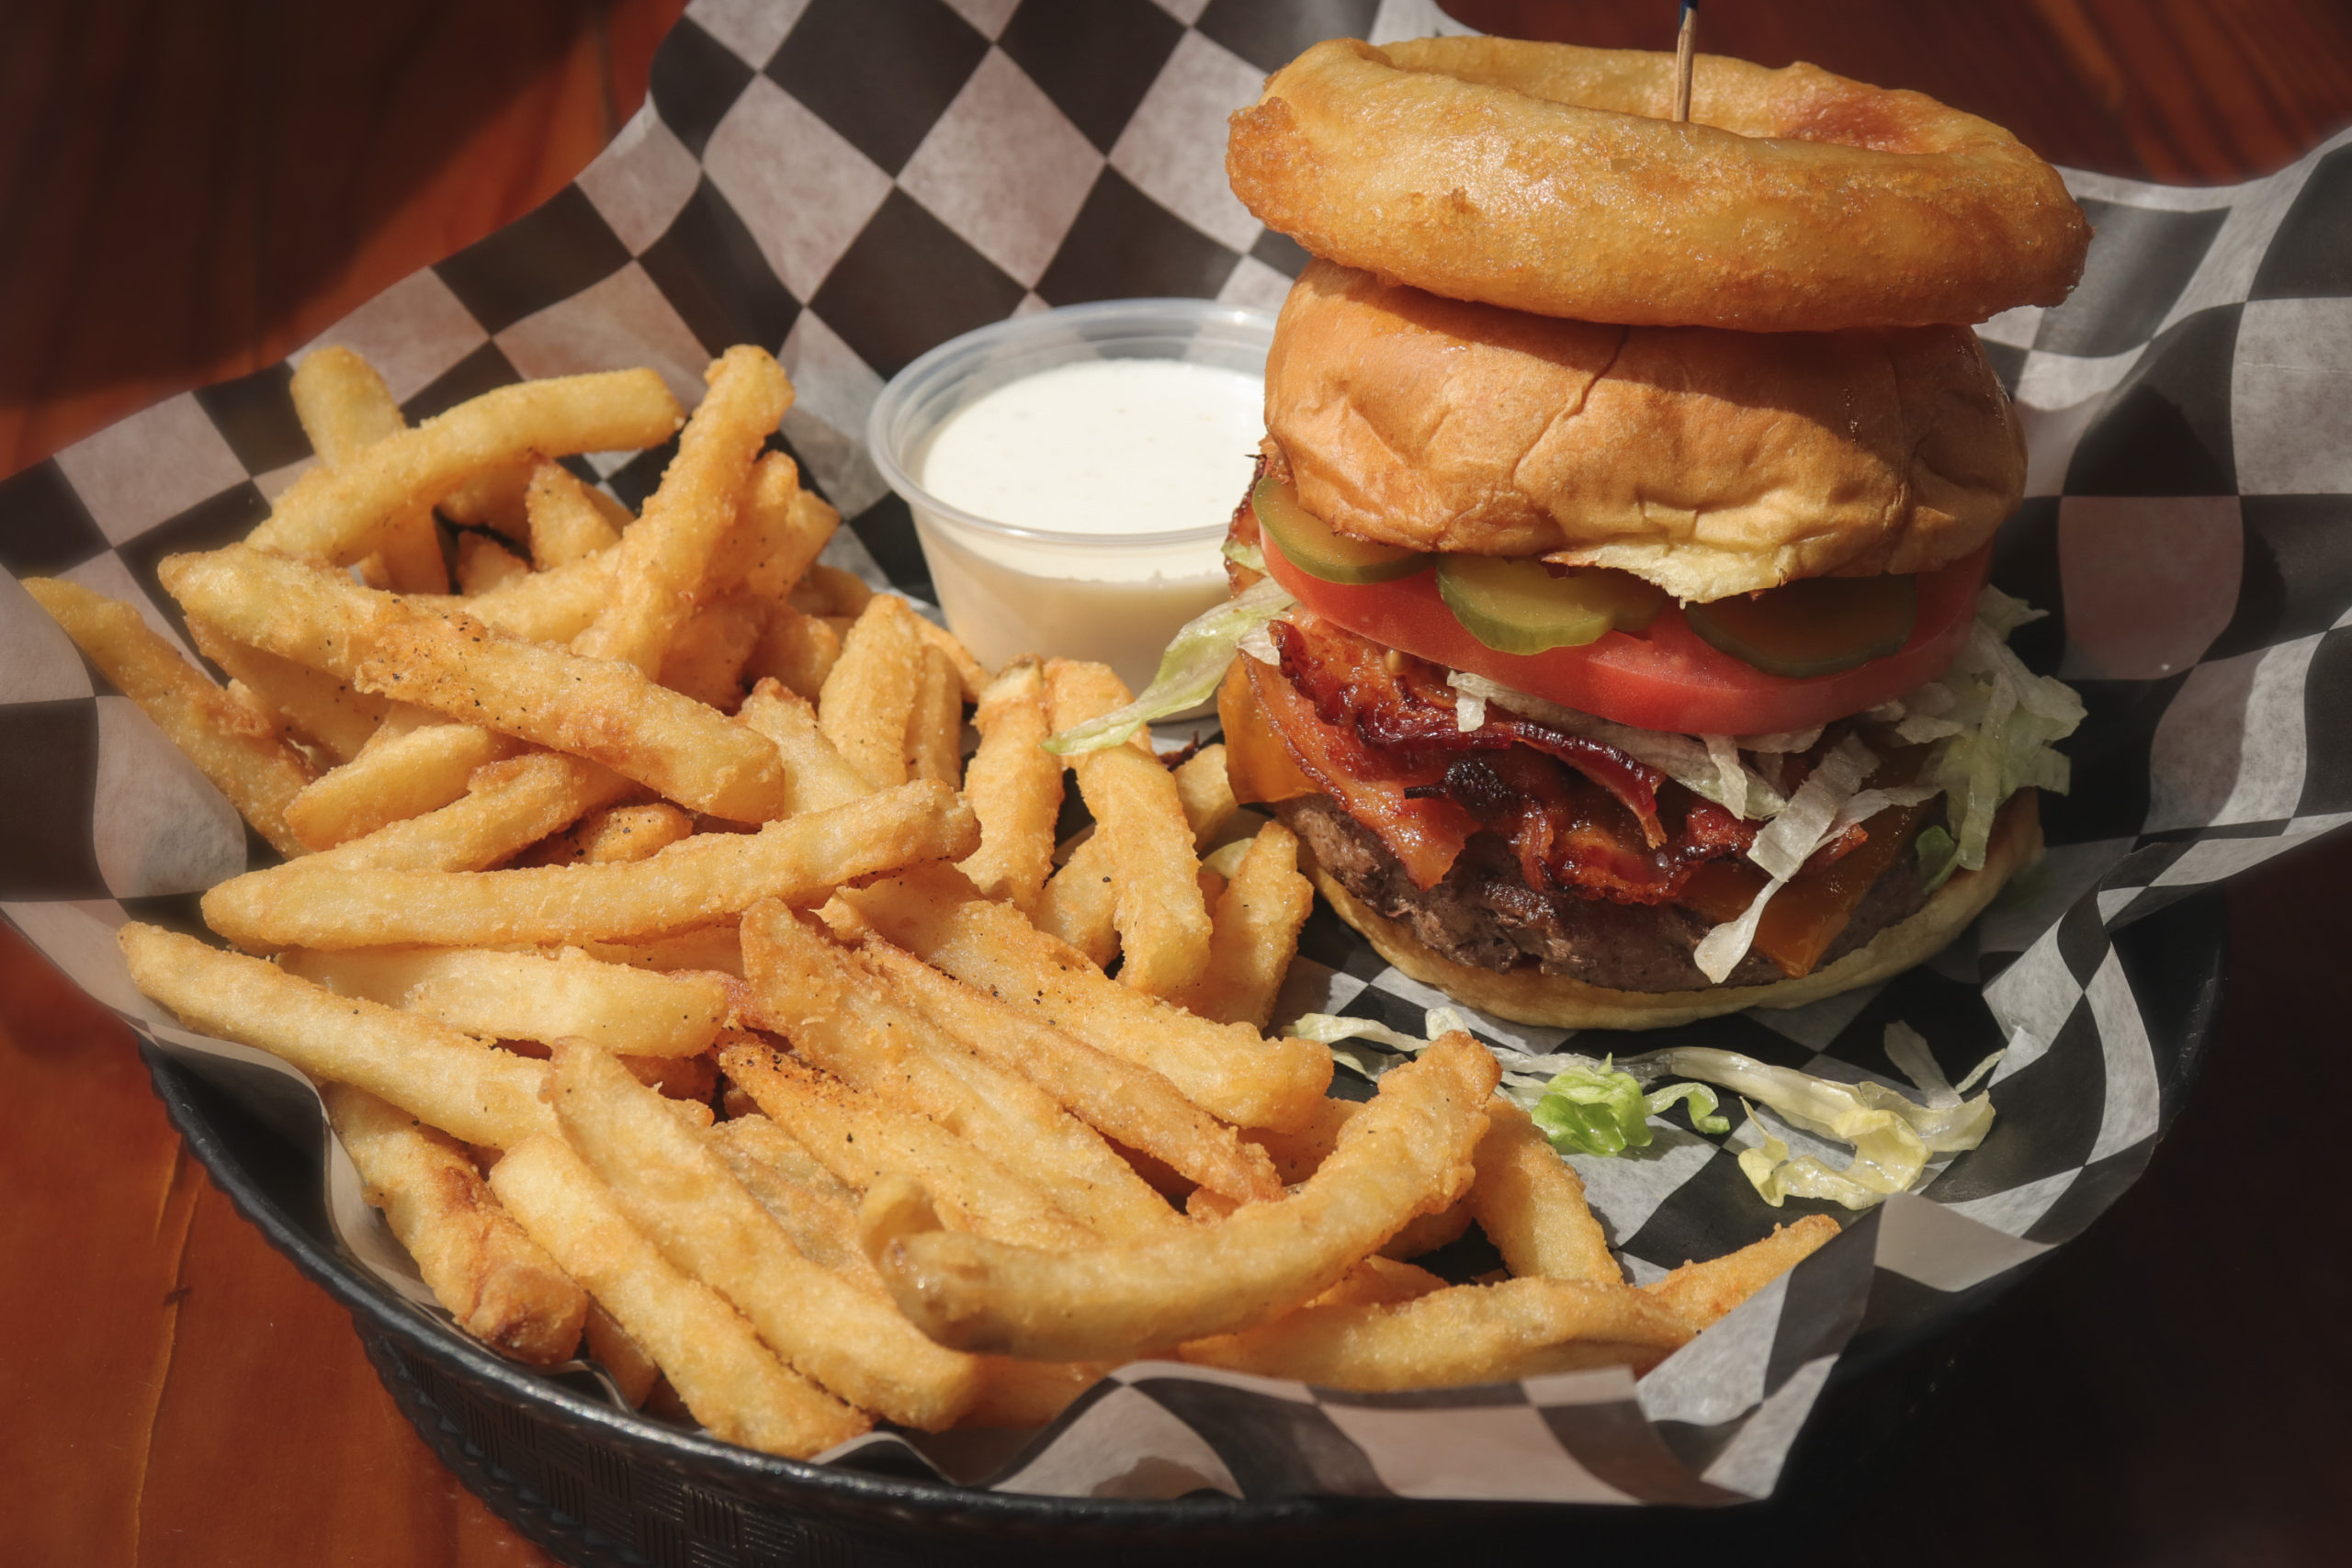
[194, 190]
[2195, 90]
[190, 188]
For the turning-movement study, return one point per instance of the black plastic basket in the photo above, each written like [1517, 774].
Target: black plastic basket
[596, 1485]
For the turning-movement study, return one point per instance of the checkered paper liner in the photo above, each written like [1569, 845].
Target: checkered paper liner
[851, 182]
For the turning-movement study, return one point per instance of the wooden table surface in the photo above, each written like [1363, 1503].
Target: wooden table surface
[190, 191]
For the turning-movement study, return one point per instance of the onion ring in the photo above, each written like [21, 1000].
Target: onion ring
[1536, 176]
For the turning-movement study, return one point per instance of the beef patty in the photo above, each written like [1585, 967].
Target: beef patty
[1485, 915]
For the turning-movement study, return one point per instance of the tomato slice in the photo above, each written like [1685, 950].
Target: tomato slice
[1664, 677]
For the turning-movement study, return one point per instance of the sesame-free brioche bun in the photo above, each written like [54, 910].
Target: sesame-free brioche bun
[1528, 994]
[1710, 462]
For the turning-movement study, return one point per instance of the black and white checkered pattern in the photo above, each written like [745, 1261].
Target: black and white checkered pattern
[850, 182]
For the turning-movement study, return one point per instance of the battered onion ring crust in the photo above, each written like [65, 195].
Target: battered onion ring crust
[1537, 176]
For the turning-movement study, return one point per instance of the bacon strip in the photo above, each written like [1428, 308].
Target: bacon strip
[1383, 791]
[1393, 700]
[1577, 813]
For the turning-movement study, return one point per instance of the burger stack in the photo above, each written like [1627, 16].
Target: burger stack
[1634, 667]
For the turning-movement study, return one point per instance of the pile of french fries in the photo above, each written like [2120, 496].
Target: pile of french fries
[686, 999]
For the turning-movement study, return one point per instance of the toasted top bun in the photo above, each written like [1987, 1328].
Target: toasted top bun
[1530, 996]
[1710, 462]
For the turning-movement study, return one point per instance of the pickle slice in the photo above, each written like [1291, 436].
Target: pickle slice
[1816, 626]
[1308, 542]
[1520, 606]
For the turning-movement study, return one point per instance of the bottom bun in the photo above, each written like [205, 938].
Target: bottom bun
[1527, 995]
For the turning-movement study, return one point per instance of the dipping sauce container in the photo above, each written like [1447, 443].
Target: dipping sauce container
[1072, 473]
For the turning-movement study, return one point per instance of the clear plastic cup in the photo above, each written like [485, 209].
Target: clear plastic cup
[1009, 591]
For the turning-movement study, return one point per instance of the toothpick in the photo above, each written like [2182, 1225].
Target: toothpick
[1683, 57]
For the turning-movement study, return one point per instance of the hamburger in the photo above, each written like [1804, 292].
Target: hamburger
[1620, 675]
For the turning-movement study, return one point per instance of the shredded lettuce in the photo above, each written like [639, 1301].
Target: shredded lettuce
[1939, 857]
[1336, 1030]
[1689, 761]
[1584, 1105]
[1602, 1106]
[1598, 1110]
[1780, 740]
[1239, 554]
[1868, 803]
[1189, 671]
[1225, 859]
[1720, 951]
[2005, 719]
[1806, 822]
[1893, 1137]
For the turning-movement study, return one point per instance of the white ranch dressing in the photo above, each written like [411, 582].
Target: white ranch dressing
[1094, 457]
[1107, 447]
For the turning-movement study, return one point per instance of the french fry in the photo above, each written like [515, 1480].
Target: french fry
[615, 834]
[935, 723]
[1228, 1069]
[817, 777]
[707, 660]
[1701, 1295]
[1163, 926]
[870, 695]
[778, 530]
[1300, 1150]
[1380, 1281]
[445, 1079]
[687, 1081]
[730, 1382]
[663, 559]
[1119, 1099]
[1254, 933]
[414, 772]
[828, 1003]
[1207, 793]
[494, 498]
[507, 806]
[554, 605]
[1015, 788]
[971, 680]
[679, 1193]
[1078, 904]
[751, 1139]
[798, 649]
[599, 710]
[316, 707]
[345, 409]
[829, 591]
[566, 524]
[819, 1214]
[798, 860]
[713, 950]
[518, 996]
[1465, 1333]
[496, 1281]
[606, 1343]
[863, 1141]
[484, 564]
[1427, 1233]
[1409, 1152]
[231, 743]
[1530, 1203]
[1298, 1154]
[347, 512]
